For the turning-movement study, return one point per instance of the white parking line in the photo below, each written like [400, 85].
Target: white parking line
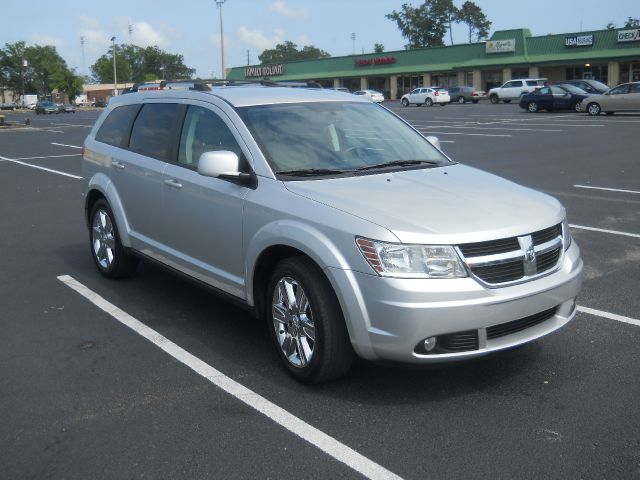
[40, 168]
[65, 145]
[321, 440]
[610, 316]
[465, 127]
[50, 156]
[55, 131]
[469, 134]
[602, 230]
[607, 189]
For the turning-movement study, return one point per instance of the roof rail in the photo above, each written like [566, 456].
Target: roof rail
[205, 85]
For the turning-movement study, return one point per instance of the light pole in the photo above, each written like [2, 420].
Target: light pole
[353, 41]
[219, 3]
[115, 78]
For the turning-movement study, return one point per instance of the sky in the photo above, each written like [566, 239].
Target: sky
[192, 27]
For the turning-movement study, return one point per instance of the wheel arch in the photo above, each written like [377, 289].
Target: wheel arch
[101, 187]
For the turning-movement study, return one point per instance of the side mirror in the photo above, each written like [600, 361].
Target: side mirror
[435, 141]
[225, 165]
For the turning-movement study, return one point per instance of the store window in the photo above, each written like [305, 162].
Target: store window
[588, 72]
[407, 83]
[630, 72]
[520, 73]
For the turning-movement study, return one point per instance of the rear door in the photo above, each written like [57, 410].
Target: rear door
[634, 97]
[138, 171]
[617, 99]
[561, 98]
[203, 216]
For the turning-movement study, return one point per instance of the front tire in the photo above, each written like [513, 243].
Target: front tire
[593, 109]
[494, 99]
[460, 100]
[112, 260]
[532, 107]
[405, 102]
[306, 323]
[428, 102]
[577, 107]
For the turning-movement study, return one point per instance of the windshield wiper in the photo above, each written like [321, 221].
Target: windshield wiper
[401, 163]
[309, 172]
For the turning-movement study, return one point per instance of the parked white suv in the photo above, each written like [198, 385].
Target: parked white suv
[331, 219]
[426, 96]
[513, 89]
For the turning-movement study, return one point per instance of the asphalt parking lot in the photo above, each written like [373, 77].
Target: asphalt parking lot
[84, 396]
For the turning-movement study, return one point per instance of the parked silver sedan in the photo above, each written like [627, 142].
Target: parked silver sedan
[623, 98]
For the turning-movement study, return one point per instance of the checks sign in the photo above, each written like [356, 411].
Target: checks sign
[629, 35]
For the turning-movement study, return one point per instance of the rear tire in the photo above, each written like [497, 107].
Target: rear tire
[461, 100]
[112, 260]
[306, 323]
[532, 107]
[507, 101]
[609, 113]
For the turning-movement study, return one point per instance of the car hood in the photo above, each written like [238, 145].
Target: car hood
[449, 205]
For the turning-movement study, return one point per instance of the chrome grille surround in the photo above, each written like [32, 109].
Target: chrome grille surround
[531, 256]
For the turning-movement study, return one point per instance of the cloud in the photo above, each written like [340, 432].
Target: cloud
[96, 40]
[144, 34]
[281, 8]
[214, 39]
[258, 40]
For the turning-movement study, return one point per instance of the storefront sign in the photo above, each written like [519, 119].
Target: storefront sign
[629, 35]
[365, 62]
[578, 41]
[501, 46]
[264, 71]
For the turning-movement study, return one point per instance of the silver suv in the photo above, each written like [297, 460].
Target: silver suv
[333, 220]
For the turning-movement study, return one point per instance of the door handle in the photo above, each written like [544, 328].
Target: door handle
[173, 183]
[118, 164]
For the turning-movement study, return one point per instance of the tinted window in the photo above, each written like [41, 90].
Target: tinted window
[517, 83]
[204, 131]
[153, 130]
[635, 88]
[557, 90]
[115, 129]
[544, 91]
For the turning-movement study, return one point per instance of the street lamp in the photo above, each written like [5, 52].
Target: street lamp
[115, 78]
[219, 3]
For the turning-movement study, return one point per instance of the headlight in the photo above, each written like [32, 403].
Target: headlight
[411, 261]
[566, 235]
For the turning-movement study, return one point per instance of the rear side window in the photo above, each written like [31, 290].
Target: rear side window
[116, 127]
[154, 131]
[516, 83]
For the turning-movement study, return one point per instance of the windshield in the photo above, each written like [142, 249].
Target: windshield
[336, 137]
[573, 89]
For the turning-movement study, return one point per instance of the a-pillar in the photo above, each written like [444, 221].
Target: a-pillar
[363, 83]
[613, 73]
[393, 84]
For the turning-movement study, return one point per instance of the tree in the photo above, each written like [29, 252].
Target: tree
[611, 26]
[135, 64]
[378, 48]
[68, 82]
[425, 25]
[632, 23]
[472, 15]
[288, 52]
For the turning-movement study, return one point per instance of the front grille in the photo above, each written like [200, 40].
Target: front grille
[546, 235]
[489, 248]
[548, 260]
[500, 272]
[503, 329]
[502, 261]
[458, 342]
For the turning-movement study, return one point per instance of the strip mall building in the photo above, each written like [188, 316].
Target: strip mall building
[611, 56]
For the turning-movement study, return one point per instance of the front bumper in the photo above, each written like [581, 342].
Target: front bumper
[389, 318]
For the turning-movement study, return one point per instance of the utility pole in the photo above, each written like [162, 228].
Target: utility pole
[130, 32]
[115, 78]
[248, 58]
[84, 71]
[219, 3]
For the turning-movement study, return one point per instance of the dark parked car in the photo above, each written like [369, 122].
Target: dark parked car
[466, 94]
[553, 98]
[46, 107]
[589, 86]
[68, 108]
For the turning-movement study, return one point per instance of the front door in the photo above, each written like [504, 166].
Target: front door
[203, 215]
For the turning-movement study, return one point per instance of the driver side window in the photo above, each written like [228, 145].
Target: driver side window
[620, 90]
[204, 131]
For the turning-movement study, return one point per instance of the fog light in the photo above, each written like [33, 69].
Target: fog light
[430, 344]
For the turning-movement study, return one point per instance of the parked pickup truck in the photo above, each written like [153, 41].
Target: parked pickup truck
[513, 89]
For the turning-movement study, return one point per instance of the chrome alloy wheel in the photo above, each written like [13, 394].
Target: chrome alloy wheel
[293, 322]
[102, 238]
